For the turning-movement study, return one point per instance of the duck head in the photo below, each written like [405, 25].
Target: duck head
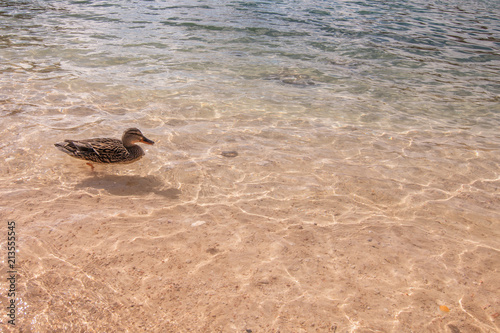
[132, 136]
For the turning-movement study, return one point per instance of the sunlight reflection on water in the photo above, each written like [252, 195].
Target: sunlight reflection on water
[363, 194]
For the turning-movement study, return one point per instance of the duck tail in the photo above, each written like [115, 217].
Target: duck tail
[64, 147]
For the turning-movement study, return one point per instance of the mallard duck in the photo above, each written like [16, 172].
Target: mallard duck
[106, 150]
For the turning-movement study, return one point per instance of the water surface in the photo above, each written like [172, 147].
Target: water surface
[364, 194]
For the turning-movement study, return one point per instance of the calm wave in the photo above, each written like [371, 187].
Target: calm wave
[447, 53]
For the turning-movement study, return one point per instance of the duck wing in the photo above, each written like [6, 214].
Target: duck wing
[97, 150]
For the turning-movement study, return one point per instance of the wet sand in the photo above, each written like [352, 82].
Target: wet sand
[309, 229]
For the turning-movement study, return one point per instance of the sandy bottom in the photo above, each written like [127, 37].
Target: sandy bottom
[314, 231]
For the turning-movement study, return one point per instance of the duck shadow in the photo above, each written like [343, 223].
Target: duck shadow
[130, 185]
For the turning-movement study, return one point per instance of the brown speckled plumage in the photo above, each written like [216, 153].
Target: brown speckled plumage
[105, 150]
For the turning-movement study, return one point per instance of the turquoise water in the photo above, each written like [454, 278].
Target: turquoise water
[365, 190]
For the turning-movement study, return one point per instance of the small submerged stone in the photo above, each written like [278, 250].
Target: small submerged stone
[444, 308]
[298, 80]
[198, 223]
[288, 76]
[229, 153]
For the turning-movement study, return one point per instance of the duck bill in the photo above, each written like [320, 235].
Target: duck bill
[147, 141]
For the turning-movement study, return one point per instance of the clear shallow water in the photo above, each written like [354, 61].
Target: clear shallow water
[444, 56]
[365, 187]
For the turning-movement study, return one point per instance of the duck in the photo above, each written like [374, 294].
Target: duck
[107, 150]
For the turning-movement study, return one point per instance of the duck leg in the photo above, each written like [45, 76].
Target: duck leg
[90, 165]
